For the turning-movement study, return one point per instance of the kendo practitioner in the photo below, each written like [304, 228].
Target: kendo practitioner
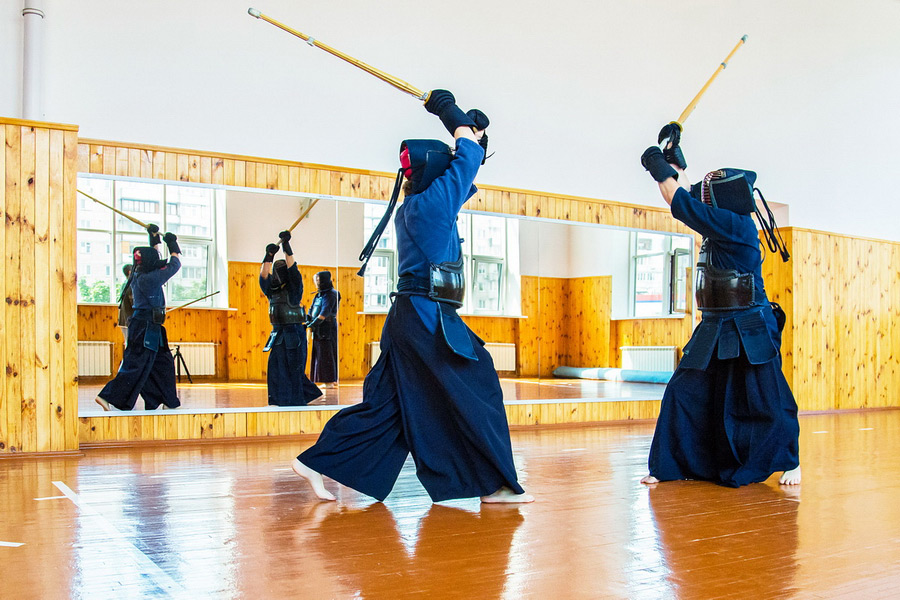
[148, 367]
[727, 415]
[434, 392]
[322, 322]
[126, 303]
[282, 284]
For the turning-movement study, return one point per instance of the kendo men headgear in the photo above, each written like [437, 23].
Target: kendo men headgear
[423, 161]
[279, 272]
[324, 282]
[146, 259]
[731, 189]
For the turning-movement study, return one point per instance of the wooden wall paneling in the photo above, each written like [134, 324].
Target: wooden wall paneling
[12, 265]
[588, 322]
[5, 297]
[528, 352]
[70, 293]
[57, 279]
[42, 299]
[27, 276]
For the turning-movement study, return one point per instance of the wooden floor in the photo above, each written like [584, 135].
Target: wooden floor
[230, 520]
[245, 395]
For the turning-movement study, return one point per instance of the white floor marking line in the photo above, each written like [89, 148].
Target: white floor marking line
[573, 449]
[866, 428]
[51, 498]
[11, 544]
[820, 432]
[147, 566]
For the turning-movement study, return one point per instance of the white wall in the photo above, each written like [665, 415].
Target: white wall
[576, 90]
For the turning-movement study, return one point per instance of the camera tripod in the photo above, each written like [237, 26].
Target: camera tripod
[179, 363]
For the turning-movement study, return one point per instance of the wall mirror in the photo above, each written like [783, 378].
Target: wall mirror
[542, 293]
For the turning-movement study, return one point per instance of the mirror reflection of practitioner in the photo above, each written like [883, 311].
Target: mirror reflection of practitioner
[282, 284]
[322, 323]
[126, 303]
[148, 368]
[727, 414]
[434, 391]
[457, 554]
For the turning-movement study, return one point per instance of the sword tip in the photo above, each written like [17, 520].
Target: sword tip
[255, 13]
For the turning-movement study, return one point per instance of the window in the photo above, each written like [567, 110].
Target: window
[486, 250]
[106, 239]
[659, 273]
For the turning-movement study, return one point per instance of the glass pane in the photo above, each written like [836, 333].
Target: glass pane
[373, 214]
[378, 284]
[91, 215]
[488, 236]
[684, 243]
[462, 227]
[648, 285]
[486, 286]
[189, 211]
[143, 201]
[681, 263]
[648, 243]
[94, 266]
[191, 282]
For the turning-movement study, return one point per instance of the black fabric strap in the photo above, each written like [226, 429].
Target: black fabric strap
[369, 249]
[770, 230]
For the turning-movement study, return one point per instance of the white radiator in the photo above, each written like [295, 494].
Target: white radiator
[200, 357]
[94, 359]
[504, 355]
[649, 358]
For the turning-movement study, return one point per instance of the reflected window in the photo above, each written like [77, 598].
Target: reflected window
[106, 239]
[660, 265]
[382, 269]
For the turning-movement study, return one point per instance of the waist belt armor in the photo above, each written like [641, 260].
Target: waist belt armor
[723, 289]
[282, 312]
[158, 316]
[447, 282]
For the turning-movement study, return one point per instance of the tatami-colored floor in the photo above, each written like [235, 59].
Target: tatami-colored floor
[243, 395]
[230, 520]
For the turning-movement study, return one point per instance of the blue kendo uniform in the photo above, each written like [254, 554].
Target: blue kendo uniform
[324, 363]
[286, 378]
[728, 414]
[434, 392]
[148, 367]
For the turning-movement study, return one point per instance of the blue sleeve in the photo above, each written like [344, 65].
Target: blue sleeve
[265, 284]
[451, 190]
[160, 276]
[708, 221]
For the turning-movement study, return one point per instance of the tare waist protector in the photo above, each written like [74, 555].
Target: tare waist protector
[723, 289]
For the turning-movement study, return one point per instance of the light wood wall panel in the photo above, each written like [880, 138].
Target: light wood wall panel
[588, 322]
[100, 323]
[843, 320]
[648, 332]
[38, 398]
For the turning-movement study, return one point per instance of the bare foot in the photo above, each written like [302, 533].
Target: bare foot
[507, 496]
[791, 477]
[103, 403]
[649, 480]
[314, 479]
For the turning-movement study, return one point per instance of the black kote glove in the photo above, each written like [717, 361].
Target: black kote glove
[171, 241]
[653, 160]
[671, 133]
[271, 251]
[443, 104]
[153, 232]
[285, 238]
[481, 123]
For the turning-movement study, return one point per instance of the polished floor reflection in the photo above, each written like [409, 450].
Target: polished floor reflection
[248, 395]
[230, 520]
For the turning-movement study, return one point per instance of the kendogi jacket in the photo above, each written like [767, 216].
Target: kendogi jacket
[428, 241]
[150, 301]
[731, 243]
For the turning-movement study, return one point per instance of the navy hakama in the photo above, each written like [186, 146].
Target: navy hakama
[148, 368]
[421, 398]
[323, 364]
[728, 414]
